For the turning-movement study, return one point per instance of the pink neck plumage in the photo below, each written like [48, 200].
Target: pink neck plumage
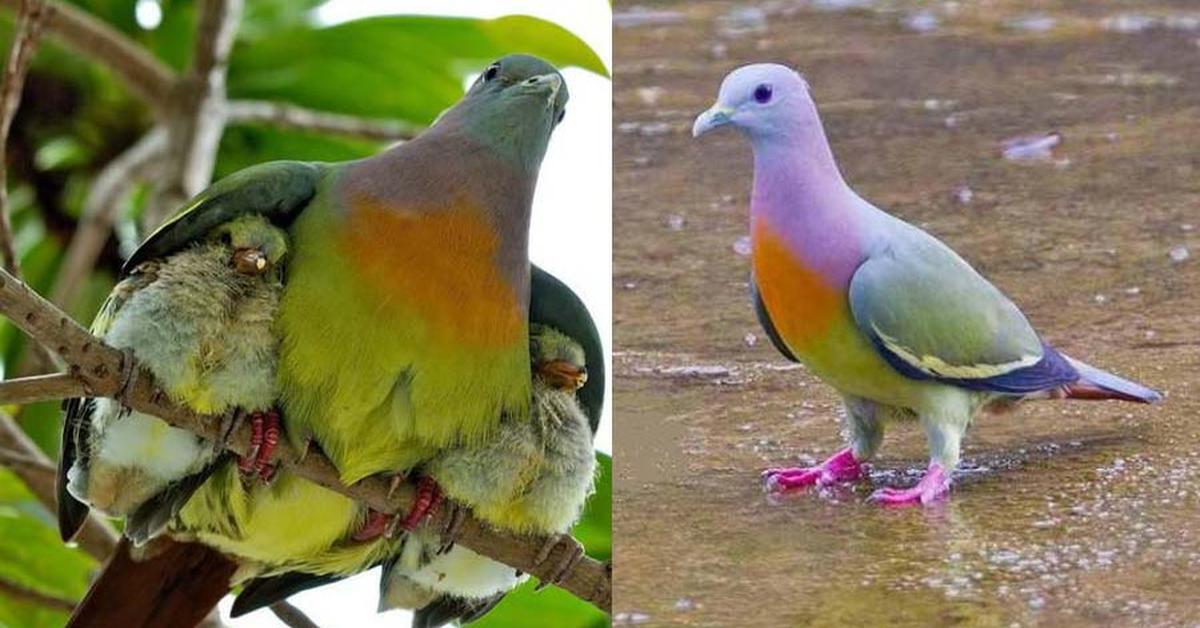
[800, 195]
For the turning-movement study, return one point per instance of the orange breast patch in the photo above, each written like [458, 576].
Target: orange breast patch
[801, 303]
[439, 265]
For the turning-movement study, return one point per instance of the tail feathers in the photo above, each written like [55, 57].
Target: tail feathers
[177, 586]
[1094, 383]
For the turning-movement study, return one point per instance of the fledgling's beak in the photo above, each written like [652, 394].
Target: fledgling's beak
[717, 115]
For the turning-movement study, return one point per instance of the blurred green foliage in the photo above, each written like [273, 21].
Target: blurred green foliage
[76, 116]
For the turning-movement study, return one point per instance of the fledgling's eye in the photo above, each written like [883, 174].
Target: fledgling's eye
[762, 94]
[492, 72]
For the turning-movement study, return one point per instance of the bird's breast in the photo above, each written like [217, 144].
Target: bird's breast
[441, 265]
[803, 304]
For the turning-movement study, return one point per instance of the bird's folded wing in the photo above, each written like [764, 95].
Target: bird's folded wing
[553, 303]
[276, 189]
[931, 316]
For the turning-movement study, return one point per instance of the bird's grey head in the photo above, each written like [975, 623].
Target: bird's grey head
[764, 100]
[513, 107]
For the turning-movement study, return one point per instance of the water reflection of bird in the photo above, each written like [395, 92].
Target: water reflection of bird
[888, 315]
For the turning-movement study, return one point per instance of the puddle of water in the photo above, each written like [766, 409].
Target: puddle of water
[1064, 514]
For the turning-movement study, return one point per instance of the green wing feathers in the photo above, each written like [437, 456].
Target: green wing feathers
[278, 190]
[927, 310]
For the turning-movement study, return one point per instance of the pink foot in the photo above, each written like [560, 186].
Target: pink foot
[933, 486]
[264, 436]
[841, 467]
[429, 499]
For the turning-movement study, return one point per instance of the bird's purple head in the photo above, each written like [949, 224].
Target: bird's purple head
[764, 100]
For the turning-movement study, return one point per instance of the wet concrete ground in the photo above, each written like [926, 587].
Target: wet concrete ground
[1065, 514]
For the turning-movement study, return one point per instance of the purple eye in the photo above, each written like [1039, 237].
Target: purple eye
[762, 94]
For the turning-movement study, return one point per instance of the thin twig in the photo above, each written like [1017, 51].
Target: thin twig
[197, 118]
[148, 77]
[29, 26]
[292, 616]
[25, 594]
[101, 367]
[96, 537]
[13, 459]
[41, 388]
[30, 21]
[300, 118]
[100, 210]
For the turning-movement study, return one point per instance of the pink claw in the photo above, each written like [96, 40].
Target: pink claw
[933, 486]
[841, 467]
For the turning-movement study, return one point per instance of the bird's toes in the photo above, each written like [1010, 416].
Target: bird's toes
[570, 554]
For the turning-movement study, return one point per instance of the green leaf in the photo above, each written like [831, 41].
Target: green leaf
[551, 606]
[409, 68]
[244, 146]
[60, 153]
[32, 556]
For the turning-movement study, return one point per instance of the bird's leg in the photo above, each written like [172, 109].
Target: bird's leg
[453, 527]
[429, 498]
[841, 467]
[571, 555]
[427, 501]
[934, 485]
[866, 432]
[944, 431]
[264, 437]
[129, 376]
[562, 374]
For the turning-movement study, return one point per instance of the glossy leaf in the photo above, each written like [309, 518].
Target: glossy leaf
[402, 67]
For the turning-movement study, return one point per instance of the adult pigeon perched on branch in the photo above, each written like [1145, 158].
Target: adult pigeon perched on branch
[401, 330]
[888, 315]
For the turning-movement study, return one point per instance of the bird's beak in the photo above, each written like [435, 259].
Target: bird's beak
[717, 115]
[550, 83]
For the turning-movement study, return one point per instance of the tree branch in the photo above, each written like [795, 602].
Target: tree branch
[25, 594]
[41, 388]
[197, 117]
[29, 27]
[292, 616]
[106, 372]
[30, 21]
[300, 118]
[13, 459]
[145, 75]
[100, 209]
[96, 537]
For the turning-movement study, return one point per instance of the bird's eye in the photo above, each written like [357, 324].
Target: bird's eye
[492, 72]
[562, 114]
[762, 94]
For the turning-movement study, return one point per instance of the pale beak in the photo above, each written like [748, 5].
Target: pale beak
[717, 115]
[551, 83]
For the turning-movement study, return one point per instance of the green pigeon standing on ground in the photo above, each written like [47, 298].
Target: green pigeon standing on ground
[882, 311]
[402, 323]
